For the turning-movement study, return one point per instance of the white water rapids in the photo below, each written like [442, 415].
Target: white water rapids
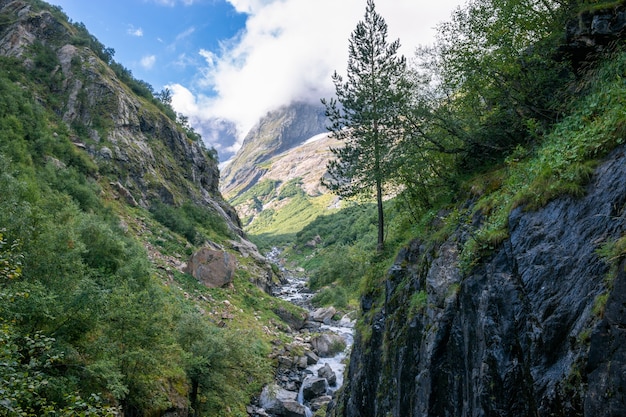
[296, 292]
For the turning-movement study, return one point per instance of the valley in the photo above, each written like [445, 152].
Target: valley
[139, 277]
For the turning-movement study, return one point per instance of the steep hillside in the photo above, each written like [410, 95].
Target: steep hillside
[274, 180]
[119, 124]
[511, 302]
[535, 329]
[126, 285]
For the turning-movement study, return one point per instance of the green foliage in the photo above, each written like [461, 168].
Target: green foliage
[212, 354]
[561, 165]
[26, 361]
[86, 328]
[613, 251]
[599, 305]
[494, 68]
[291, 188]
[419, 301]
[195, 223]
[262, 191]
[345, 227]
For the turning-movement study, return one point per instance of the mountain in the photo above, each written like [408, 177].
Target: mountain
[287, 193]
[276, 132]
[274, 180]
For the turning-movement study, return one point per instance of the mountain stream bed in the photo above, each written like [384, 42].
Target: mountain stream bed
[311, 368]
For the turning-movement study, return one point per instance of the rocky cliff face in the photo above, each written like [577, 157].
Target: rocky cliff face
[277, 132]
[526, 333]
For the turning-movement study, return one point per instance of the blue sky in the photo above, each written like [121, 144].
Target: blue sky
[158, 41]
[228, 62]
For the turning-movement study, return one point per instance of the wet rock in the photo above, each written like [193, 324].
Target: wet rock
[518, 335]
[294, 318]
[311, 357]
[346, 321]
[328, 344]
[328, 374]
[313, 387]
[320, 402]
[274, 398]
[294, 409]
[301, 362]
[607, 356]
[323, 315]
[256, 411]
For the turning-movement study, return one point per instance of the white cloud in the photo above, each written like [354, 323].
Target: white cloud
[180, 37]
[289, 50]
[186, 33]
[148, 61]
[135, 31]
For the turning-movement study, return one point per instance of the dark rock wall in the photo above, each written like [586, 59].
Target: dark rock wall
[518, 335]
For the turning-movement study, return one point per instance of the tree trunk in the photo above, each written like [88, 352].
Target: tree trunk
[381, 217]
[193, 397]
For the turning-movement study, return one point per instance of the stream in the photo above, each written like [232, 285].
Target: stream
[311, 369]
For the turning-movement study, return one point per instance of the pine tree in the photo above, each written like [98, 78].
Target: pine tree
[366, 114]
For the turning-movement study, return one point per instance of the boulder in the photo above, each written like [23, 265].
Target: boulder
[323, 315]
[320, 402]
[213, 268]
[311, 357]
[276, 400]
[294, 318]
[313, 387]
[294, 409]
[285, 362]
[301, 362]
[328, 374]
[328, 344]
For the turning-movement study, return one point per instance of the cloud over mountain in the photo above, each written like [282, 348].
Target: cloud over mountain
[288, 51]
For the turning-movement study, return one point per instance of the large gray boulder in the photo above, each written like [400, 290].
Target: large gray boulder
[213, 268]
[323, 315]
[328, 344]
[313, 387]
[294, 409]
[277, 400]
[328, 374]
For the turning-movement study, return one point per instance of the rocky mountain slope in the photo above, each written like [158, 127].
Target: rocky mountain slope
[151, 157]
[276, 132]
[288, 188]
[120, 259]
[274, 180]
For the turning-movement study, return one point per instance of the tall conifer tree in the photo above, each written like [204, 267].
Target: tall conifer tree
[366, 114]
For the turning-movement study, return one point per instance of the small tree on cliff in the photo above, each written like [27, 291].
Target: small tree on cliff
[366, 114]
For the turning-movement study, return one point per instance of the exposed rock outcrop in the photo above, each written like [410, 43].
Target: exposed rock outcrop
[593, 31]
[146, 156]
[519, 335]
